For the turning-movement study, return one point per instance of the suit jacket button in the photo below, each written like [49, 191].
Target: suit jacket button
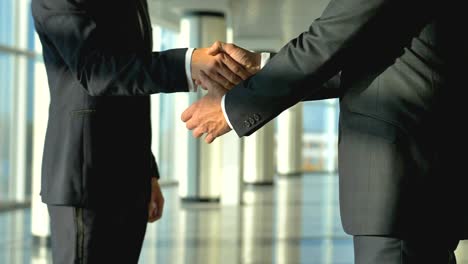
[251, 121]
[246, 124]
[256, 117]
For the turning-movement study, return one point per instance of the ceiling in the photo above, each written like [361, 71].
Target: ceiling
[257, 24]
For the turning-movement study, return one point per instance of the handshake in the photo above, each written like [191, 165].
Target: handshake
[217, 69]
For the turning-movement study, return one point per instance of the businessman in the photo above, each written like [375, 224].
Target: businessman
[402, 68]
[99, 177]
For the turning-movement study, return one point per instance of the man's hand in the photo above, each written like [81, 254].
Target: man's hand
[225, 63]
[221, 68]
[249, 60]
[156, 204]
[206, 116]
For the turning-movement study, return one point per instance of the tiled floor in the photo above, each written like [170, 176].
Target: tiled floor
[295, 221]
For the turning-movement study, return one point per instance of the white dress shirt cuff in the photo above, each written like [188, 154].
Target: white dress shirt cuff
[265, 59]
[188, 71]
[224, 112]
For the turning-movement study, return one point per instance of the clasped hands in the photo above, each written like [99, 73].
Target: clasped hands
[217, 69]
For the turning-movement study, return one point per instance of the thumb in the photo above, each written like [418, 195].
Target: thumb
[229, 48]
[188, 113]
[216, 48]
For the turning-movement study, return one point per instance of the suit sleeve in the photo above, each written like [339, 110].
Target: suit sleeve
[72, 32]
[329, 90]
[345, 31]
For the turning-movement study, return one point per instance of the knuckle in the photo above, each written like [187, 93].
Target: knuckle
[211, 64]
[211, 71]
[235, 77]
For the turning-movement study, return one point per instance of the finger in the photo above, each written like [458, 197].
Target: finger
[160, 203]
[152, 211]
[198, 132]
[224, 71]
[216, 78]
[229, 48]
[191, 124]
[199, 84]
[209, 138]
[239, 54]
[209, 83]
[188, 113]
[216, 48]
[236, 68]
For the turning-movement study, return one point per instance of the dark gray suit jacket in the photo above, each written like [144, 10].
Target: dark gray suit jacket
[403, 65]
[101, 70]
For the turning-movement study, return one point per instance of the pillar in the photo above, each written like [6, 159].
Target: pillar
[40, 217]
[258, 158]
[200, 171]
[289, 141]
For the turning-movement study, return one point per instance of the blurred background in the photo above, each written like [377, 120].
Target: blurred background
[268, 198]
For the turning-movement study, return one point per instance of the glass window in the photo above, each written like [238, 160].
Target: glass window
[17, 60]
[165, 39]
[320, 128]
[314, 117]
[6, 22]
[166, 136]
[168, 39]
[6, 121]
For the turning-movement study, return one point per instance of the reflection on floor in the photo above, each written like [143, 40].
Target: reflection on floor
[295, 221]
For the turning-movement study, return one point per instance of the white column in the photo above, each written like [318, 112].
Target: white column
[231, 180]
[201, 165]
[19, 128]
[258, 157]
[155, 101]
[40, 217]
[289, 141]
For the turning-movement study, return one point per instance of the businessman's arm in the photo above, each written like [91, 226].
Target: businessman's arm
[253, 62]
[346, 30]
[330, 89]
[68, 29]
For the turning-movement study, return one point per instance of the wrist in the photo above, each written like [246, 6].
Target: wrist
[197, 57]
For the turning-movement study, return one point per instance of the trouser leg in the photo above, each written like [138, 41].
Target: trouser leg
[63, 234]
[104, 235]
